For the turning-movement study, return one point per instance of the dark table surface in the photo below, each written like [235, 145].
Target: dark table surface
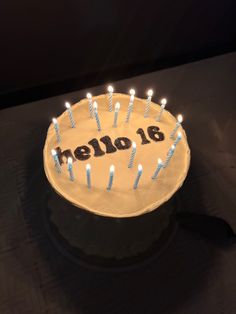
[195, 274]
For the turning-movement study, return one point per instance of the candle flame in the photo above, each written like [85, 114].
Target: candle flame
[54, 120]
[163, 101]
[179, 134]
[140, 167]
[132, 98]
[69, 160]
[53, 152]
[134, 145]
[180, 118]
[110, 89]
[150, 92]
[67, 104]
[95, 105]
[117, 106]
[159, 161]
[88, 167]
[132, 91]
[112, 168]
[89, 96]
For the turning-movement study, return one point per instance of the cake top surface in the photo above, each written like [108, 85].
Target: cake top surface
[114, 147]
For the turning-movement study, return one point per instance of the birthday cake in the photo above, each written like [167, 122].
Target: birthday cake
[116, 162]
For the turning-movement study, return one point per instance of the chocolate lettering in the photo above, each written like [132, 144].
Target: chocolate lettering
[143, 136]
[96, 146]
[64, 155]
[123, 143]
[110, 148]
[82, 152]
[155, 134]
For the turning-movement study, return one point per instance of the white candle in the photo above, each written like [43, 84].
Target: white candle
[150, 93]
[158, 168]
[178, 124]
[169, 156]
[110, 91]
[90, 103]
[111, 176]
[117, 108]
[95, 110]
[69, 162]
[56, 160]
[130, 108]
[140, 171]
[163, 105]
[56, 127]
[178, 138]
[88, 175]
[68, 107]
[133, 152]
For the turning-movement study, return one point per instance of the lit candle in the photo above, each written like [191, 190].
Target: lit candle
[117, 108]
[90, 103]
[95, 110]
[132, 91]
[158, 168]
[178, 138]
[72, 122]
[111, 176]
[56, 127]
[56, 160]
[150, 93]
[69, 162]
[169, 156]
[178, 124]
[131, 104]
[140, 171]
[163, 104]
[88, 174]
[133, 152]
[110, 91]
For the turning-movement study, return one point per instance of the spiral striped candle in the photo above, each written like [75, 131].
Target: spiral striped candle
[117, 108]
[72, 122]
[56, 127]
[140, 171]
[95, 110]
[70, 168]
[178, 124]
[158, 168]
[88, 175]
[150, 93]
[110, 91]
[90, 103]
[130, 108]
[133, 152]
[111, 176]
[178, 138]
[163, 105]
[56, 160]
[169, 156]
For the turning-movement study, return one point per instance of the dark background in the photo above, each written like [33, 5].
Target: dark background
[51, 47]
[48, 48]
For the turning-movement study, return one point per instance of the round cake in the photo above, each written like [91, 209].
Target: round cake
[119, 211]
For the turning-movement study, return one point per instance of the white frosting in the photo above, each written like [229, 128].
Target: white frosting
[122, 200]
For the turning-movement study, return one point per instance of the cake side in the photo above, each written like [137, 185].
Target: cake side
[105, 237]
